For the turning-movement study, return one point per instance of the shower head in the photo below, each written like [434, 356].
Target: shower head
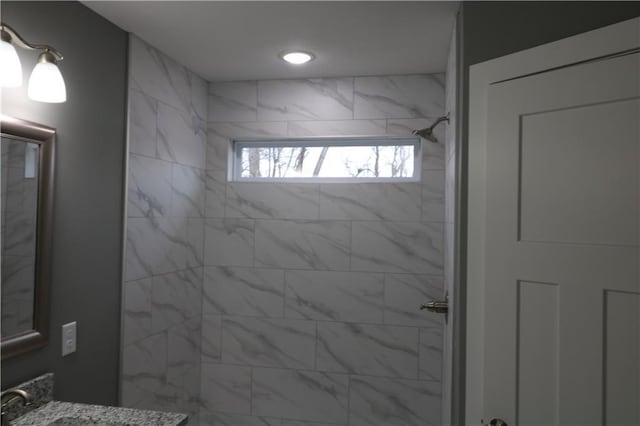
[427, 132]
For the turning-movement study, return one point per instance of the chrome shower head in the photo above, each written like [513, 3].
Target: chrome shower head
[427, 133]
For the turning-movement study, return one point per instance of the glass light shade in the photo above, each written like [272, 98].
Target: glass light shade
[46, 83]
[10, 68]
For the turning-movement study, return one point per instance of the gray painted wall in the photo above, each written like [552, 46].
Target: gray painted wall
[493, 29]
[87, 230]
[488, 30]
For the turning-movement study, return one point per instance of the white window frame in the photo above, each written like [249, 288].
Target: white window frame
[237, 145]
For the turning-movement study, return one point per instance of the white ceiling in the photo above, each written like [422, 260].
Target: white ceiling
[237, 40]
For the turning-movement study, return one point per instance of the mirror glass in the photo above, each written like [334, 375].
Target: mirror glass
[26, 212]
[19, 211]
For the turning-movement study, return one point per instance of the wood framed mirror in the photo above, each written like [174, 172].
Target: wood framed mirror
[27, 211]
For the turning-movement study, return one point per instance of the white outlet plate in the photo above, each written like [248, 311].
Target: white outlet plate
[68, 338]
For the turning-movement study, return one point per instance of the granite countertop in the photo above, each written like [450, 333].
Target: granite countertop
[41, 391]
[69, 413]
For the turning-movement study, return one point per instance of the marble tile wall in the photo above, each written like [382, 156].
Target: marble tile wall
[164, 256]
[311, 291]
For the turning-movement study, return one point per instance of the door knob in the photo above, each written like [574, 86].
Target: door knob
[497, 422]
[439, 306]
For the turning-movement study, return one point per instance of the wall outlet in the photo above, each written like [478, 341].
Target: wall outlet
[68, 338]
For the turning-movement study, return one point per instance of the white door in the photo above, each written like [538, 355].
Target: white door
[561, 284]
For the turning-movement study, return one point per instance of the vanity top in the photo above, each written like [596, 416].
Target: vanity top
[68, 413]
[41, 391]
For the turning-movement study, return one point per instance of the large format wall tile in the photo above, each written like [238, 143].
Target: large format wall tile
[211, 338]
[194, 246]
[302, 244]
[431, 342]
[337, 128]
[243, 291]
[305, 231]
[137, 310]
[433, 186]
[433, 209]
[397, 247]
[433, 196]
[249, 130]
[218, 150]
[335, 296]
[199, 98]
[154, 246]
[393, 402]
[229, 242]
[181, 137]
[268, 342]
[367, 201]
[303, 395]
[304, 423]
[183, 359]
[300, 314]
[158, 76]
[175, 298]
[226, 388]
[143, 111]
[208, 418]
[187, 191]
[404, 96]
[312, 99]
[233, 101]
[165, 235]
[149, 187]
[272, 200]
[216, 191]
[143, 368]
[403, 295]
[378, 350]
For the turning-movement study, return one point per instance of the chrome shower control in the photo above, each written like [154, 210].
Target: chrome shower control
[439, 307]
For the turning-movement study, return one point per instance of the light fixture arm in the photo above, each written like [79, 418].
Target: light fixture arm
[9, 35]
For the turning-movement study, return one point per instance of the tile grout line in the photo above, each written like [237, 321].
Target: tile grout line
[326, 373]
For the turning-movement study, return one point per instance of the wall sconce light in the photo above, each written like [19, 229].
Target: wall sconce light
[46, 83]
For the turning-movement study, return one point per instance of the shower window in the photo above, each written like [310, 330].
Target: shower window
[327, 159]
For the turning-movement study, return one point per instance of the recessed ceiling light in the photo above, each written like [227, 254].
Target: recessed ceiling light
[297, 58]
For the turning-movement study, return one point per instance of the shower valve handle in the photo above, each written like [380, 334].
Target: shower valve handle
[439, 306]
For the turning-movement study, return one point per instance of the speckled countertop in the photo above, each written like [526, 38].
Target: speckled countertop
[68, 413]
[41, 391]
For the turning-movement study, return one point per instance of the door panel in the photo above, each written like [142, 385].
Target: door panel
[562, 238]
[537, 331]
[583, 202]
[621, 355]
